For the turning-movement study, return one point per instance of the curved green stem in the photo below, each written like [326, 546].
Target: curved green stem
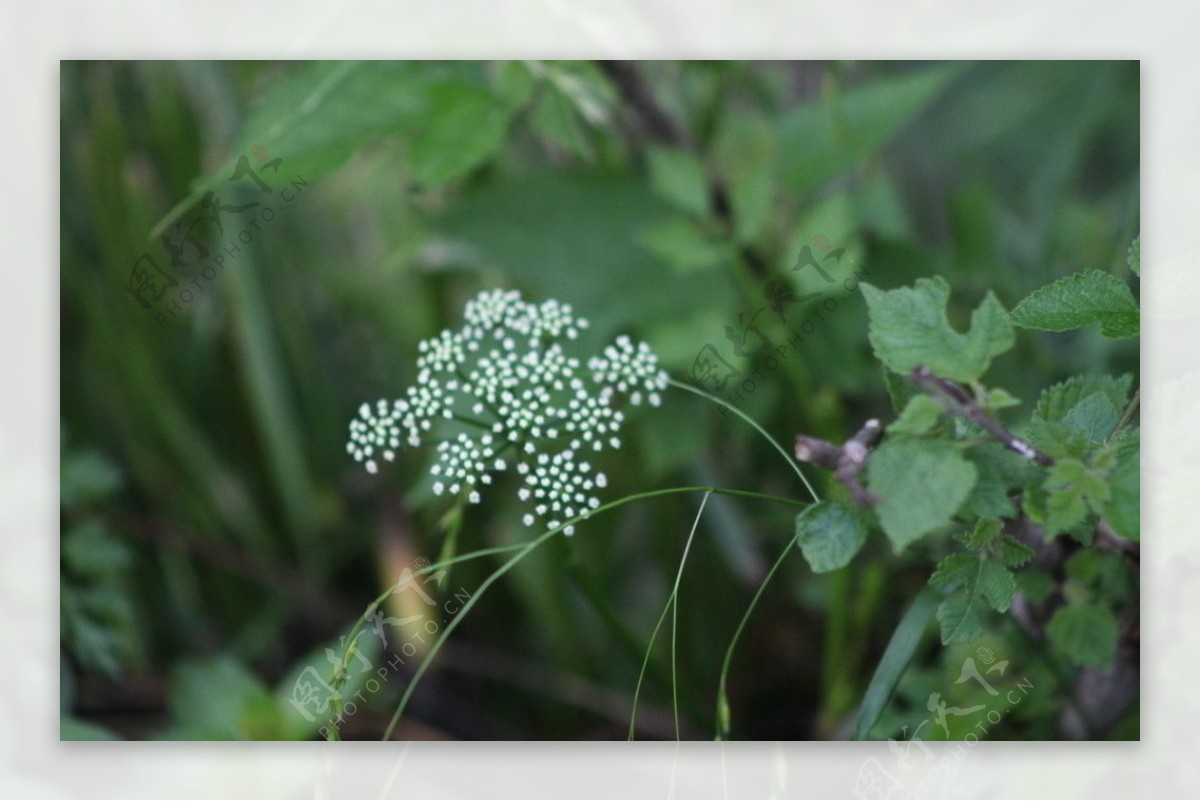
[786, 456]
[722, 698]
[523, 550]
[672, 606]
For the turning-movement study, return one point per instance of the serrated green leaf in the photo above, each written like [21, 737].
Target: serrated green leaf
[1000, 472]
[920, 485]
[1084, 634]
[978, 583]
[908, 328]
[1095, 417]
[1072, 489]
[1124, 508]
[1012, 552]
[829, 535]
[1057, 401]
[680, 178]
[920, 415]
[1078, 301]
[464, 126]
[983, 534]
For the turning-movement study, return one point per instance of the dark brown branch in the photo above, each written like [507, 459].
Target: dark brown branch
[846, 461]
[962, 404]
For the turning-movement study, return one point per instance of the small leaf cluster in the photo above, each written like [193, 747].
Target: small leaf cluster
[950, 481]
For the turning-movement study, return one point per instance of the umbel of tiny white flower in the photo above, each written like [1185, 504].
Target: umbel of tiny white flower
[533, 407]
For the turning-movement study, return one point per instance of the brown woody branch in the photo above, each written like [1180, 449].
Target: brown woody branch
[846, 461]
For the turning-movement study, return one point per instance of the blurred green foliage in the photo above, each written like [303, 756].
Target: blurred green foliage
[216, 537]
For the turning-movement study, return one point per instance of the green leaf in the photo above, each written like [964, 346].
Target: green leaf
[1056, 402]
[1078, 301]
[920, 415]
[1072, 489]
[556, 119]
[920, 484]
[317, 115]
[821, 140]
[909, 328]
[1000, 472]
[1084, 634]
[1012, 552]
[829, 535]
[680, 178]
[219, 699]
[1135, 256]
[1123, 511]
[682, 244]
[984, 533]
[464, 127]
[1095, 417]
[895, 660]
[978, 583]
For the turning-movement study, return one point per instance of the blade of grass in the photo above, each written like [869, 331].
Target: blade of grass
[896, 657]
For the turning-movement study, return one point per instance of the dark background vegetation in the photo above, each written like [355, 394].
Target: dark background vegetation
[215, 535]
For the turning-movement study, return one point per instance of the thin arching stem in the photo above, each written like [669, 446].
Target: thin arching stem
[523, 550]
[786, 456]
[672, 605]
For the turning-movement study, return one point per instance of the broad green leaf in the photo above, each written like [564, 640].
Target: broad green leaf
[1080, 300]
[895, 660]
[1072, 490]
[823, 139]
[908, 328]
[978, 583]
[1057, 401]
[920, 484]
[920, 415]
[219, 699]
[1123, 511]
[315, 116]
[679, 178]
[1095, 417]
[829, 535]
[464, 126]
[1084, 634]
[683, 245]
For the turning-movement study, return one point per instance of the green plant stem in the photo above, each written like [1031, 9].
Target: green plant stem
[786, 457]
[523, 550]
[672, 606]
[723, 699]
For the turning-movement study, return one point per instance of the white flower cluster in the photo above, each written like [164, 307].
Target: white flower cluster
[531, 406]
